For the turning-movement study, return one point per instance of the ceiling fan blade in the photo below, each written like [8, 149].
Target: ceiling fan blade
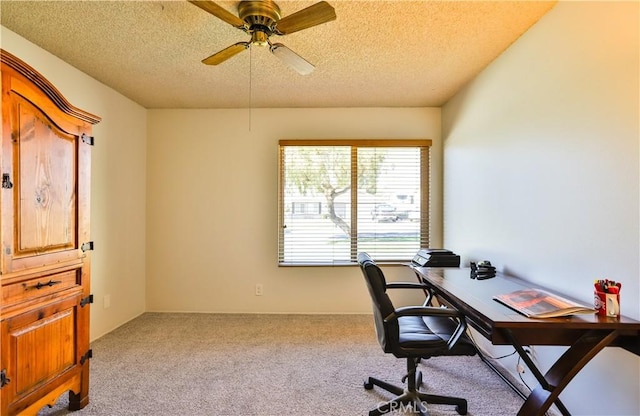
[311, 16]
[219, 12]
[292, 59]
[226, 53]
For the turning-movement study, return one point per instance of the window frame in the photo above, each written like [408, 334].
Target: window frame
[425, 210]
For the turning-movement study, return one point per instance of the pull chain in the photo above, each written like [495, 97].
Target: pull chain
[250, 83]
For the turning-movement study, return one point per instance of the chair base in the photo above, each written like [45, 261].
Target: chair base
[411, 398]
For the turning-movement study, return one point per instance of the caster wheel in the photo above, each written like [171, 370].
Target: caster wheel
[368, 385]
[461, 409]
[419, 379]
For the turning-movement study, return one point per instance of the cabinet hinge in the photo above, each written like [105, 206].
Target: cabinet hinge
[87, 139]
[87, 246]
[6, 181]
[4, 380]
[86, 356]
[84, 301]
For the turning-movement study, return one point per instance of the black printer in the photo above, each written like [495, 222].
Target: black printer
[436, 257]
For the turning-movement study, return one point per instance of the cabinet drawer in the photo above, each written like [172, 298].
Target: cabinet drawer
[39, 286]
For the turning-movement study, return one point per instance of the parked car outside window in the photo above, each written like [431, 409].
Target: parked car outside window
[384, 213]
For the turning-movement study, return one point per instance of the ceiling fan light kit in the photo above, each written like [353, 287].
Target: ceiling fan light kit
[262, 19]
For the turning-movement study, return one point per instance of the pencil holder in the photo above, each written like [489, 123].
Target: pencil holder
[607, 304]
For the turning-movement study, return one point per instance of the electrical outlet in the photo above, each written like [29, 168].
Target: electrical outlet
[520, 368]
[106, 301]
[258, 289]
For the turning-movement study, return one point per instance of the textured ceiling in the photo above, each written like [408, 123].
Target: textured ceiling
[375, 54]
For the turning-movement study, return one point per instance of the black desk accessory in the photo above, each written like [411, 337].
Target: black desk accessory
[482, 270]
[436, 257]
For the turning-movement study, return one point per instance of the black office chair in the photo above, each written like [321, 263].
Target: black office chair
[414, 333]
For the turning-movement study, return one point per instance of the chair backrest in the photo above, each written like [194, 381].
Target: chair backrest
[387, 332]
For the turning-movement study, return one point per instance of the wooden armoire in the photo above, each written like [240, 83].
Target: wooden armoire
[45, 267]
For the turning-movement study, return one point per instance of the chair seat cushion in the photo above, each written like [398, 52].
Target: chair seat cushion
[429, 336]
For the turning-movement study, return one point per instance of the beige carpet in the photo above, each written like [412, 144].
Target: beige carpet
[263, 365]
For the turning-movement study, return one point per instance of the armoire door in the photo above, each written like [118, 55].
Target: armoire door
[41, 352]
[46, 164]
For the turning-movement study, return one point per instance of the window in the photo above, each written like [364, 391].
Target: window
[340, 197]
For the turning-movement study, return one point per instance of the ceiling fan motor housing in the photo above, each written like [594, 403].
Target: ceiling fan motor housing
[260, 16]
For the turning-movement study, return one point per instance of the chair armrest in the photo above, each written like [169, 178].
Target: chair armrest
[413, 285]
[424, 311]
[406, 285]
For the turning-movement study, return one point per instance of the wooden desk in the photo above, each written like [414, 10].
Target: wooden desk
[585, 335]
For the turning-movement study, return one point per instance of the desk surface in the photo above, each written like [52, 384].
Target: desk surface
[475, 299]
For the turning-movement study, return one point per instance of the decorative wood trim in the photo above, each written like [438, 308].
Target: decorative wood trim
[357, 142]
[47, 88]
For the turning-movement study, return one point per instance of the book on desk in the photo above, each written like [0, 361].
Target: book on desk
[538, 303]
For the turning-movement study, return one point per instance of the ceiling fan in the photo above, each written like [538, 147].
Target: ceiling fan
[261, 19]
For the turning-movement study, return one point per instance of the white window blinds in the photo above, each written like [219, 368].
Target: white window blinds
[340, 197]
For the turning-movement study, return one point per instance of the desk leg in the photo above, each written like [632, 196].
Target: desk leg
[535, 371]
[563, 371]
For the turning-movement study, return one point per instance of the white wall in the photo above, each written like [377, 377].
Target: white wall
[541, 159]
[212, 207]
[118, 184]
